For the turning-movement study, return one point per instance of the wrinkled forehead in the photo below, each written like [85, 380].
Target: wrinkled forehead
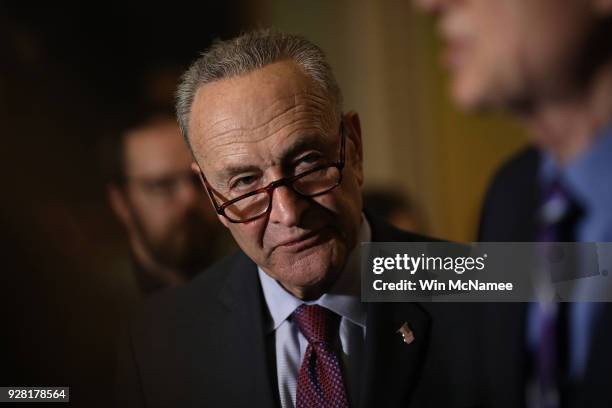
[258, 114]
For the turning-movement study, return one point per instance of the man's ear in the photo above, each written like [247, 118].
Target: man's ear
[354, 136]
[118, 203]
[198, 172]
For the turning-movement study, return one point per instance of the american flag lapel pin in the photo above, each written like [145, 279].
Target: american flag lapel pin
[406, 332]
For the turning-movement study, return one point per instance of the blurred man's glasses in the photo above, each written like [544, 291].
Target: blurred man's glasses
[164, 187]
[311, 183]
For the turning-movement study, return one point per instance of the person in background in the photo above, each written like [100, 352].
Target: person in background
[549, 64]
[396, 208]
[172, 232]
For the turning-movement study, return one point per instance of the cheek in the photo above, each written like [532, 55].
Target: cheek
[345, 200]
[152, 217]
[346, 204]
[160, 223]
[552, 44]
[495, 49]
[489, 57]
[248, 236]
[548, 33]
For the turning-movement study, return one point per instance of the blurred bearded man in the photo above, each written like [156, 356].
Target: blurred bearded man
[172, 233]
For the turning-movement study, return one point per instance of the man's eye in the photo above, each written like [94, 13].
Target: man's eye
[160, 187]
[310, 160]
[244, 182]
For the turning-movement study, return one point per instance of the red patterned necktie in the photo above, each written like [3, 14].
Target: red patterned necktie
[320, 383]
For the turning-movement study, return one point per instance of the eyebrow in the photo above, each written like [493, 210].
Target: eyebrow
[304, 142]
[233, 170]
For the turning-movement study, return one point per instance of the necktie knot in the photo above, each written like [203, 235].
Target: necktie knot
[559, 214]
[316, 323]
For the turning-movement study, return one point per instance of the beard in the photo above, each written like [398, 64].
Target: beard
[185, 245]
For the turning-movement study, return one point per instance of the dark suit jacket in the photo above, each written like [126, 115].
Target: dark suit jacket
[204, 345]
[509, 215]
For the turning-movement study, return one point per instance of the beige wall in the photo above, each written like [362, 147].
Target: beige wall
[385, 56]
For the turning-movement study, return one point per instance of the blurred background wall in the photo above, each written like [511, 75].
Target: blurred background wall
[69, 75]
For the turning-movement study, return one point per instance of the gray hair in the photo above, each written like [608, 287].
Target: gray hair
[248, 52]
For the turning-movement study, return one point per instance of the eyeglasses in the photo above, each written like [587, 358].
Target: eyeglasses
[165, 187]
[311, 183]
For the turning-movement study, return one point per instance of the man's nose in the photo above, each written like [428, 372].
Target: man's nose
[287, 207]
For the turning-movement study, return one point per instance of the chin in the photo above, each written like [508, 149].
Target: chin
[479, 99]
[471, 88]
[317, 267]
[466, 95]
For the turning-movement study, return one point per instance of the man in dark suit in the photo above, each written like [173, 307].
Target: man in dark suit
[549, 63]
[281, 322]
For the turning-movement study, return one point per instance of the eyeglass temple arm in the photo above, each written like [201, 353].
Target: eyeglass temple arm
[209, 189]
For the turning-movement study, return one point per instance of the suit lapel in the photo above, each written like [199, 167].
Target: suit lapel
[254, 347]
[392, 367]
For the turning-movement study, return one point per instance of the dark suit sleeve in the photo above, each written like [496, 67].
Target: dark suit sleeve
[128, 387]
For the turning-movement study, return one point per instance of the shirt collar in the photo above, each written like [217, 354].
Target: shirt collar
[583, 176]
[343, 298]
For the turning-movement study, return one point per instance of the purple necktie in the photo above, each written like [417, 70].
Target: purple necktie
[558, 216]
[320, 383]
